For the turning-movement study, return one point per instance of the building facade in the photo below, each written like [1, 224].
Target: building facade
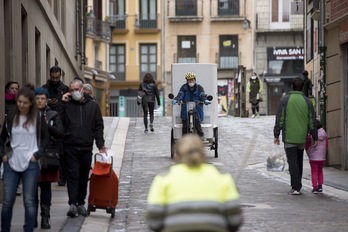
[327, 50]
[279, 51]
[217, 31]
[98, 37]
[135, 49]
[36, 35]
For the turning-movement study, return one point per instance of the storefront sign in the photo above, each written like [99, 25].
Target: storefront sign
[285, 53]
[343, 32]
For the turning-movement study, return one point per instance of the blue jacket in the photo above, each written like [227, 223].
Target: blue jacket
[195, 94]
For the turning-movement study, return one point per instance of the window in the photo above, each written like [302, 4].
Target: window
[148, 14]
[228, 46]
[187, 49]
[117, 13]
[228, 7]
[280, 14]
[186, 7]
[117, 61]
[148, 60]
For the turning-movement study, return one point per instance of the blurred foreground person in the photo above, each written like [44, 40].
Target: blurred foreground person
[193, 195]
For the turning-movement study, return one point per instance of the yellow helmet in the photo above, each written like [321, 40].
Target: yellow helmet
[190, 75]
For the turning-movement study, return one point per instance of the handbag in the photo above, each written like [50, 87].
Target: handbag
[50, 160]
[141, 94]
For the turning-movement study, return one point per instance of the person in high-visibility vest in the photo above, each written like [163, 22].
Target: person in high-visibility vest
[193, 195]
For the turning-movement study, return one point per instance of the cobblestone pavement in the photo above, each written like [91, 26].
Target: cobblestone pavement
[244, 145]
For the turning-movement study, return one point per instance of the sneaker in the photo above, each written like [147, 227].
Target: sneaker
[151, 128]
[315, 190]
[294, 192]
[72, 211]
[320, 188]
[146, 130]
[258, 115]
[81, 210]
[253, 116]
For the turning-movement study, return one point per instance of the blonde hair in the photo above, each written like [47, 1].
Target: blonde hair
[190, 150]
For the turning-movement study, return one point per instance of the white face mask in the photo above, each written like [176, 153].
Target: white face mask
[191, 84]
[77, 95]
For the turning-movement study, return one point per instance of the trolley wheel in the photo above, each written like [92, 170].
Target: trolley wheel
[216, 142]
[113, 213]
[172, 144]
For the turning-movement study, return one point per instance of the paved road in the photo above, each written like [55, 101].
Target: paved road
[266, 204]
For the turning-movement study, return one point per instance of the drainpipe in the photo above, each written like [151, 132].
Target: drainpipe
[322, 53]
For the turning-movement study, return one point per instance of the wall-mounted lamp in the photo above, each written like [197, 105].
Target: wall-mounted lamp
[112, 77]
[137, 23]
[246, 24]
[94, 72]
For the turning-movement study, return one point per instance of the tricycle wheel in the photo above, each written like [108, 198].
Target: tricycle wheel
[216, 142]
[172, 144]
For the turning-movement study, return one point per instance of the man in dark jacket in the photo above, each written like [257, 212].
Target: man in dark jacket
[307, 85]
[295, 118]
[83, 123]
[56, 88]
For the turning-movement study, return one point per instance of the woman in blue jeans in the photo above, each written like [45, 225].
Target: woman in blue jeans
[25, 134]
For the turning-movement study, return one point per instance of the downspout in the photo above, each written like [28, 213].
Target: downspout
[322, 53]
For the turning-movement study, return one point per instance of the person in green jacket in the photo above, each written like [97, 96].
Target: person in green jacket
[295, 118]
[193, 195]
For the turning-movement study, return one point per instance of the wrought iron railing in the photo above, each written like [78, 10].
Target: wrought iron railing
[96, 27]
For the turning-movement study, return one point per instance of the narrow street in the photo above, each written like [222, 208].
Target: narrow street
[244, 145]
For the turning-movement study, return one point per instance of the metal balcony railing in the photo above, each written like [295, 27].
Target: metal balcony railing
[263, 23]
[118, 22]
[228, 8]
[185, 9]
[147, 21]
[99, 28]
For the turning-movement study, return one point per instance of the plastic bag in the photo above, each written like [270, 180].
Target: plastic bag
[276, 162]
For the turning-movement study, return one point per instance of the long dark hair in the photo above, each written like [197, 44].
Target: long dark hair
[148, 78]
[31, 116]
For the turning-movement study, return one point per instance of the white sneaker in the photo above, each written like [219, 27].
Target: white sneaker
[253, 116]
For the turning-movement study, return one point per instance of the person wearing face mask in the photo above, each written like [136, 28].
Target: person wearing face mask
[83, 123]
[56, 88]
[191, 91]
[254, 87]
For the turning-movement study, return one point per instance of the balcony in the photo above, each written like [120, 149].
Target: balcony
[118, 23]
[147, 23]
[263, 23]
[98, 29]
[225, 11]
[185, 10]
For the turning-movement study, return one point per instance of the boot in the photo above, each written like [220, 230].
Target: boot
[45, 217]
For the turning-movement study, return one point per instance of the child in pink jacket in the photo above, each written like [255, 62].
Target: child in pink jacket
[317, 156]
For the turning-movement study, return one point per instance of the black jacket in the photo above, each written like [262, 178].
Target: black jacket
[40, 124]
[83, 122]
[55, 92]
[55, 129]
[151, 92]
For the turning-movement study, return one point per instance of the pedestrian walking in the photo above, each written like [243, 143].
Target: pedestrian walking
[254, 88]
[47, 176]
[83, 123]
[88, 89]
[150, 94]
[23, 139]
[11, 90]
[56, 88]
[307, 86]
[317, 157]
[295, 118]
[193, 195]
